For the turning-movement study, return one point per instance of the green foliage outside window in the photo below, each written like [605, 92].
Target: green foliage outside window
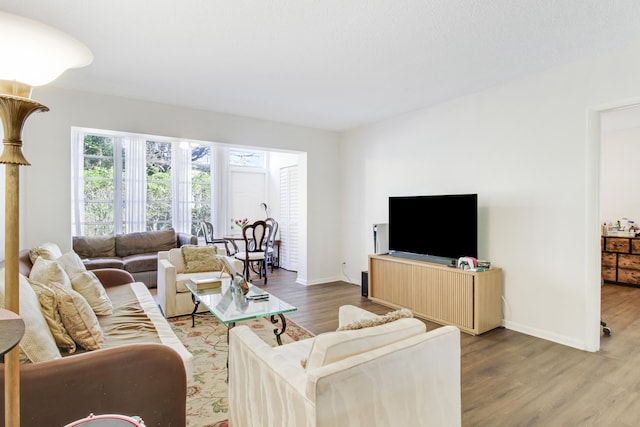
[100, 183]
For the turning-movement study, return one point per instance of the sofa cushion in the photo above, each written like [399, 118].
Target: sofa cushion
[78, 318]
[176, 259]
[200, 258]
[144, 242]
[94, 246]
[86, 283]
[141, 262]
[47, 272]
[334, 346]
[37, 344]
[47, 250]
[49, 306]
[110, 262]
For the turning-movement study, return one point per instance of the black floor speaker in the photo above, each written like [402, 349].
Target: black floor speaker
[365, 284]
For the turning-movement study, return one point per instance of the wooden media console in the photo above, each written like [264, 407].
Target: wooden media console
[470, 300]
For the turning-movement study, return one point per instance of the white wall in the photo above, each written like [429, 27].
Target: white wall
[45, 189]
[525, 148]
[620, 175]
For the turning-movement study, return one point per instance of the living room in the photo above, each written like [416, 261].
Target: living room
[527, 144]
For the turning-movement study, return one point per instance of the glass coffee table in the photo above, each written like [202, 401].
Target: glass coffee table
[229, 305]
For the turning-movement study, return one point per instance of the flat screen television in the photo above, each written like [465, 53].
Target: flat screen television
[439, 228]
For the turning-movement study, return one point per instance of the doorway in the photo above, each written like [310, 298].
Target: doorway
[618, 147]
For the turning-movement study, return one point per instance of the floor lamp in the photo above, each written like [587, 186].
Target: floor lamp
[33, 54]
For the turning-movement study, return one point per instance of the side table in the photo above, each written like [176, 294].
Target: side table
[11, 330]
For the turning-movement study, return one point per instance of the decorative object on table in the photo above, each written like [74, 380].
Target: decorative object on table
[237, 280]
[33, 54]
[242, 223]
[207, 283]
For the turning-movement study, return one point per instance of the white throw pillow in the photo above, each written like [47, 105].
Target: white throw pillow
[86, 283]
[37, 344]
[47, 272]
[334, 346]
[47, 250]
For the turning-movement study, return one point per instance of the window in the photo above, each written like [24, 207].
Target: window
[100, 190]
[125, 183]
[201, 186]
[159, 185]
[246, 158]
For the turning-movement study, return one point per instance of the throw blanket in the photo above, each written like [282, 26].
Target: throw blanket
[129, 324]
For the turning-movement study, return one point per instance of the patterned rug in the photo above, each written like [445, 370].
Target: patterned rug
[207, 403]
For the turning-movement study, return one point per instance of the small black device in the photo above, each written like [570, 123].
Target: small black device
[365, 284]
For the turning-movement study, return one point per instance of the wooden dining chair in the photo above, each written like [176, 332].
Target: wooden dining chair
[207, 231]
[255, 236]
[271, 243]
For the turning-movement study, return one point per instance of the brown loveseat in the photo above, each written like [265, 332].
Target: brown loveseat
[142, 378]
[136, 253]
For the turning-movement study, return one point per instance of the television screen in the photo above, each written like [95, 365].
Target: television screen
[440, 226]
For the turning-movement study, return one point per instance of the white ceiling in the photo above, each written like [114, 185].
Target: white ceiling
[329, 64]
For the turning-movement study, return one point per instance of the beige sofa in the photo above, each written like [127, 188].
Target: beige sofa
[393, 374]
[141, 369]
[173, 296]
[136, 253]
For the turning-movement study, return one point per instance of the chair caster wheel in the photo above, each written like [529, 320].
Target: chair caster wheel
[607, 331]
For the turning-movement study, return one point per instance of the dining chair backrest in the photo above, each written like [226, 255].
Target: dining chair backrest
[256, 236]
[207, 230]
[274, 231]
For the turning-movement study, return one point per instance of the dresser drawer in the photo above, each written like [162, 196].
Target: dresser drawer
[609, 259]
[629, 276]
[609, 274]
[631, 262]
[618, 244]
[635, 246]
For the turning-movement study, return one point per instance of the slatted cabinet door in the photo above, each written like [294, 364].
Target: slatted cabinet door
[449, 296]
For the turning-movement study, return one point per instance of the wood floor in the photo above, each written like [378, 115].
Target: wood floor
[512, 379]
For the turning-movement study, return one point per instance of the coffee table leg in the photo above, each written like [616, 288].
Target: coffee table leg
[277, 332]
[196, 303]
[229, 326]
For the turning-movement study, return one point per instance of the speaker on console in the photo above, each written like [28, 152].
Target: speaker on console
[380, 239]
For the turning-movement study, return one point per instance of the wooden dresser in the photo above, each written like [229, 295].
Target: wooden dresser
[621, 260]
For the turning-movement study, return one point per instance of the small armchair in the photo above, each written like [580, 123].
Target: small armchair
[393, 374]
[173, 296]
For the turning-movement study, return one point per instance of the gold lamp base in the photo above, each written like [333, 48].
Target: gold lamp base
[15, 108]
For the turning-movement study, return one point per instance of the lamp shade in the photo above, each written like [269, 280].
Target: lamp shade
[36, 54]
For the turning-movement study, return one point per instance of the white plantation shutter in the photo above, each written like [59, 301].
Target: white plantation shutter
[288, 221]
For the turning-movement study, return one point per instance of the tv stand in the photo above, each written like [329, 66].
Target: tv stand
[470, 300]
[426, 258]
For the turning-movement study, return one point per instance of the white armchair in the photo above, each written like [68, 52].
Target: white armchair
[394, 374]
[173, 296]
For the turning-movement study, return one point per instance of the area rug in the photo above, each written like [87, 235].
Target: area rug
[207, 403]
